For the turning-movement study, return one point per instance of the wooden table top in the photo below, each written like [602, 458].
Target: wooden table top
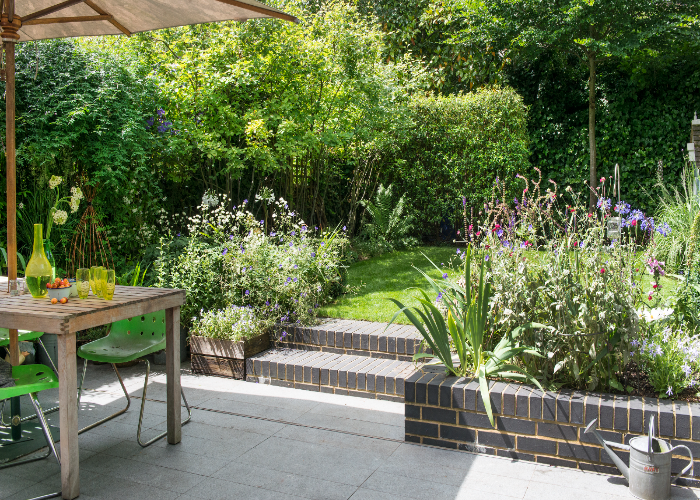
[27, 313]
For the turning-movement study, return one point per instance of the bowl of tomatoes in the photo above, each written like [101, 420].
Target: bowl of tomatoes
[59, 289]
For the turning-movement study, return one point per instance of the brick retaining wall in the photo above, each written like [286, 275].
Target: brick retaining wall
[541, 427]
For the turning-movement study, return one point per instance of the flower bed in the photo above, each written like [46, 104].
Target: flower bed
[543, 427]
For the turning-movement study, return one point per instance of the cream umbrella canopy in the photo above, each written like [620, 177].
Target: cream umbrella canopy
[26, 20]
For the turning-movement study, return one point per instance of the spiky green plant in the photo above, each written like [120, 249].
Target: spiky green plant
[679, 208]
[465, 331]
[390, 227]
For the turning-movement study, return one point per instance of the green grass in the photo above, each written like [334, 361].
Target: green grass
[391, 275]
[388, 276]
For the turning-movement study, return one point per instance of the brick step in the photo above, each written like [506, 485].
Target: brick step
[331, 372]
[357, 338]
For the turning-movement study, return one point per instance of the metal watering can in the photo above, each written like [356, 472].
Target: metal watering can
[649, 472]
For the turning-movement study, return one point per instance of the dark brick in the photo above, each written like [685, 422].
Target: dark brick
[601, 469]
[568, 432]
[666, 418]
[356, 341]
[391, 344]
[579, 451]
[678, 464]
[422, 388]
[516, 425]
[446, 391]
[509, 399]
[636, 415]
[522, 408]
[440, 443]
[615, 437]
[537, 445]
[497, 439]
[620, 406]
[313, 336]
[651, 407]
[410, 346]
[576, 410]
[413, 412]
[389, 397]
[281, 383]
[457, 433]
[412, 439]
[361, 394]
[497, 391]
[515, 455]
[410, 387]
[382, 343]
[322, 336]
[458, 393]
[607, 412]
[556, 462]
[695, 418]
[470, 393]
[591, 408]
[434, 390]
[473, 420]
[421, 428]
[563, 406]
[682, 419]
[307, 387]
[624, 456]
[439, 415]
[535, 403]
[328, 390]
[549, 406]
[364, 341]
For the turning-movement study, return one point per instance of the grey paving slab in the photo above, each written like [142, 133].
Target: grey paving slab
[337, 439]
[219, 489]
[352, 425]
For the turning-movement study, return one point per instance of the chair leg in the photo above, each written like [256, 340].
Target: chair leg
[47, 435]
[114, 415]
[143, 405]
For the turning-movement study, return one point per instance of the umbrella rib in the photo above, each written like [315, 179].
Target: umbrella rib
[261, 10]
[103, 12]
[50, 10]
[58, 20]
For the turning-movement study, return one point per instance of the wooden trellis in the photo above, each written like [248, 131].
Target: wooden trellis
[90, 245]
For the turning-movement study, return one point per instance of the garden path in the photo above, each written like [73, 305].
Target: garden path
[258, 441]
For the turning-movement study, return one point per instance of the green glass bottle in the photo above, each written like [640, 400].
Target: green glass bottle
[38, 272]
[50, 258]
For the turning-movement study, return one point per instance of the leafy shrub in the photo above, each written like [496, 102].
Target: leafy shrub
[457, 146]
[231, 323]
[554, 264]
[285, 275]
[390, 226]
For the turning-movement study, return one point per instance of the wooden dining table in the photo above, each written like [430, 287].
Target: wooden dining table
[24, 312]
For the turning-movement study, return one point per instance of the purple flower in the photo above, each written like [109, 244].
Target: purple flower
[296, 266]
[284, 334]
[344, 228]
[230, 237]
[225, 251]
[313, 254]
[622, 208]
[245, 201]
[272, 233]
[444, 276]
[486, 258]
[439, 297]
[669, 392]
[295, 280]
[663, 229]
[247, 292]
[161, 112]
[294, 233]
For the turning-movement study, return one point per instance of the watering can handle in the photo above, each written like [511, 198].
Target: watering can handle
[687, 467]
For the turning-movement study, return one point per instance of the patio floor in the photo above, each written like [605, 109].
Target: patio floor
[253, 441]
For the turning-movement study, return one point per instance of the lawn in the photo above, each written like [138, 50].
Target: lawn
[391, 275]
[375, 280]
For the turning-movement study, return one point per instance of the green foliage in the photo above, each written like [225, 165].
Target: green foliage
[465, 331]
[390, 226]
[457, 147]
[284, 275]
[678, 208]
[231, 323]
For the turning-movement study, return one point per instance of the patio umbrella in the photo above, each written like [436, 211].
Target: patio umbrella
[27, 20]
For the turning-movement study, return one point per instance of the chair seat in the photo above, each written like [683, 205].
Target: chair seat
[24, 336]
[120, 350]
[30, 379]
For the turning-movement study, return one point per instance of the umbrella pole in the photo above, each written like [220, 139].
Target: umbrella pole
[11, 181]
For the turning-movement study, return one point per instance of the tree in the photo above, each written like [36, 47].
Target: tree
[591, 29]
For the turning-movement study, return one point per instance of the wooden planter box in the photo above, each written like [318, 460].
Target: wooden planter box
[225, 358]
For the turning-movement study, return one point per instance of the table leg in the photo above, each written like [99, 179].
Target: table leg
[172, 370]
[68, 401]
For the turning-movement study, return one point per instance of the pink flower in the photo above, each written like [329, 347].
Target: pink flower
[602, 179]
[458, 232]
[525, 190]
[602, 271]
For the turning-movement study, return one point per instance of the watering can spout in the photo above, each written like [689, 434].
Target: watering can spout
[606, 446]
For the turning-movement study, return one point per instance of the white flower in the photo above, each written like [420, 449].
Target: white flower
[126, 200]
[55, 181]
[655, 314]
[76, 192]
[209, 200]
[21, 206]
[60, 217]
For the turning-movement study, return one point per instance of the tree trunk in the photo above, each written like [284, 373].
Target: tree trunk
[593, 179]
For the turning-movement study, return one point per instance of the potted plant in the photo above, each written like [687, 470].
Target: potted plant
[220, 341]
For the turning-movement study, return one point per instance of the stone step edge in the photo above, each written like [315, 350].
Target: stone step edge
[353, 337]
[319, 371]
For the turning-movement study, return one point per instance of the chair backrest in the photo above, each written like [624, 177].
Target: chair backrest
[148, 325]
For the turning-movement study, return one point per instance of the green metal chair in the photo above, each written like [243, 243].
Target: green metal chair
[129, 340]
[24, 336]
[29, 380]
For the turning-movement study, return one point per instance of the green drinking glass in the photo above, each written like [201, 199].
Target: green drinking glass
[82, 282]
[96, 280]
[108, 281]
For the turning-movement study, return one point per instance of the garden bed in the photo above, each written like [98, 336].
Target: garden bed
[225, 358]
[542, 427]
